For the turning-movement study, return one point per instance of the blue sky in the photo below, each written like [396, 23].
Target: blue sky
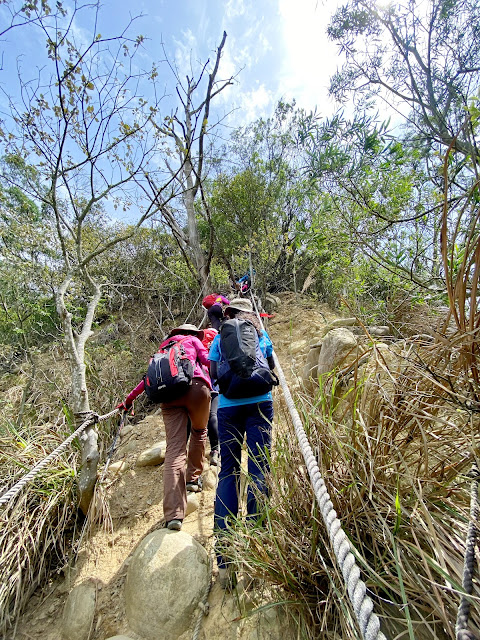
[278, 48]
[275, 48]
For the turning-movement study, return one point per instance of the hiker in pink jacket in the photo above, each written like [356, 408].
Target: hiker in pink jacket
[192, 409]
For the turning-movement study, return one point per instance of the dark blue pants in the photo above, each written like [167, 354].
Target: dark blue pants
[234, 423]
[213, 423]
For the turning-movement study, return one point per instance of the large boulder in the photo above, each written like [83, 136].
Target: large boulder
[310, 370]
[339, 348]
[166, 580]
[79, 612]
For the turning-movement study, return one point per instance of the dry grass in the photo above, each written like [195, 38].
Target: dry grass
[395, 468]
[35, 525]
[394, 439]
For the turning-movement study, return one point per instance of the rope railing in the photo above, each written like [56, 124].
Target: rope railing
[368, 621]
[461, 628]
[18, 486]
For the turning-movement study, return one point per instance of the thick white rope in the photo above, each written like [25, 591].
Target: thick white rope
[368, 621]
[461, 628]
[17, 487]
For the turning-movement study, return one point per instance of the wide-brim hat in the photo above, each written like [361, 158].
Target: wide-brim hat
[187, 328]
[241, 304]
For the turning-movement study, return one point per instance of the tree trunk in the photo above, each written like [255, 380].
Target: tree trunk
[75, 346]
[197, 252]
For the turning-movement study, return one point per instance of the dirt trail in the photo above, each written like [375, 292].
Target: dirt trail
[135, 501]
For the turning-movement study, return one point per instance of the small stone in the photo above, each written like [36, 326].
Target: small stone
[118, 467]
[299, 345]
[209, 478]
[79, 611]
[130, 446]
[192, 503]
[128, 428]
[153, 456]
[343, 322]
[379, 332]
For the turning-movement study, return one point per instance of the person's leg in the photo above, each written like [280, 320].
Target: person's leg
[213, 430]
[259, 436]
[197, 403]
[231, 431]
[175, 419]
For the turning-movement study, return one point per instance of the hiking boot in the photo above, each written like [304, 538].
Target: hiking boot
[195, 485]
[214, 457]
[227, 578]
[174, 525]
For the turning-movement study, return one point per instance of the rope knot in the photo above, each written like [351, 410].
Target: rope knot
[88, 415]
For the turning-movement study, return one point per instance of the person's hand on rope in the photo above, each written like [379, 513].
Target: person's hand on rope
[124, 406]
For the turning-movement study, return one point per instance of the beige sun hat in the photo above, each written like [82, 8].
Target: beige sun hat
[241, 304]
[187, 328]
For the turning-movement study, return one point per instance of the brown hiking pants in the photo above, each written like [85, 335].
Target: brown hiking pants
[194, 405]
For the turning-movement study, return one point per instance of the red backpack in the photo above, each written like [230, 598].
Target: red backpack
[170, 372]
[209, 300]
[208, 336]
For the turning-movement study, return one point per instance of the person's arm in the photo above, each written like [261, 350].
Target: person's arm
[214, 357]
[268, 350]
[225, 300]
[202, 353]
[134, 393]
[213, 370]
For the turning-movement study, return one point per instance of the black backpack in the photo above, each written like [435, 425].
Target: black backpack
[169, 374]
[243, 370]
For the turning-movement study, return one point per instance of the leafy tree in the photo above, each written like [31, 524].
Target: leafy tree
[384, 205]
[87, 127]
[425, 56]
[257, 205]
[27, 310]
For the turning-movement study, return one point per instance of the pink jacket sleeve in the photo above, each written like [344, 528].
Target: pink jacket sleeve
[202, 353]
[135, 392]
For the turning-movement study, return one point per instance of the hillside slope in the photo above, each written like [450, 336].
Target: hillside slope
[135, 503]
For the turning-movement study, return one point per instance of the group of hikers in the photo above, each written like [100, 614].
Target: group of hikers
[218, 382]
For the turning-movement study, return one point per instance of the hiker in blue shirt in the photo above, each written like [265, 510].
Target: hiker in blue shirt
[249, 417]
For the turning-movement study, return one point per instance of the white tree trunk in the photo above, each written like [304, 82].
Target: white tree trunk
[75, 346]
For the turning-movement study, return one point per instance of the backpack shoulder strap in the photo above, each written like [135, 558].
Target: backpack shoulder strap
[168, 343]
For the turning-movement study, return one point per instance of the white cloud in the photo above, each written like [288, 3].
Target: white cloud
[234, 8]
[309, 57]
[184, 50]
[254, 103]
